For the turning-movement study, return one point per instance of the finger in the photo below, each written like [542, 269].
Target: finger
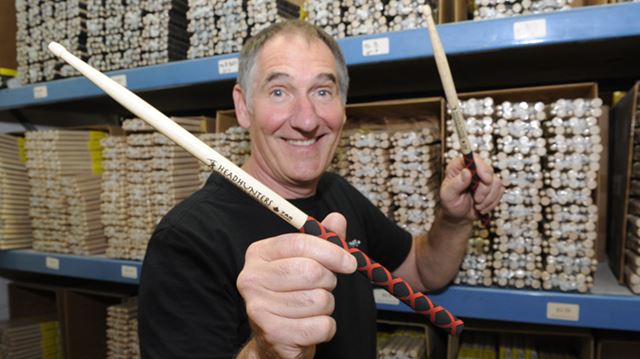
[336, 223]
[492, 196]
[458, 184]
[289, 334]
[454, 167]
[495, 202]
[484, 170]
[290, 245]
[301, 304]
[299, 273]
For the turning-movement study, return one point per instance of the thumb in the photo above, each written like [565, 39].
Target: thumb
[336, 222]
[461, 182]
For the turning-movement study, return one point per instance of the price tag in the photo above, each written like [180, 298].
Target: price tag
[130, 272]
[52, 263]
[120, 79]
[228, 66]
[563, 311]
[374, 47]
[381, 296]
[40, 92]
[532, 29]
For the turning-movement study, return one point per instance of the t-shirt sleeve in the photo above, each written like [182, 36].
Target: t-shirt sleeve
[187, 309]
[388, 243]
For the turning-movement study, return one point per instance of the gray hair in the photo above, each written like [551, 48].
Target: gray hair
[252, 47]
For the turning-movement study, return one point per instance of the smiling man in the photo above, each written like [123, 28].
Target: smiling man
[224, 277]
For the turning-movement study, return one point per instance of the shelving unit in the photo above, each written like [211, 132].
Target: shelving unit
[586, 44]
[583, 44]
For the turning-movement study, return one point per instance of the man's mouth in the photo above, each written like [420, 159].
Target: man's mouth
[307, 142]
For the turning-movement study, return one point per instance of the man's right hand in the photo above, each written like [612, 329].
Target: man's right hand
[286, 284]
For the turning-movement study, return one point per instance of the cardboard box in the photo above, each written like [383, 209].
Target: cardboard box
[578, 341]
[224, 120]
[30, 299]
[623, 122]
[8, 35]
[463, 9]
[548, 94]
[618, 349]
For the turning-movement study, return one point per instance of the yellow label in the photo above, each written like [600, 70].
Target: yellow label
[97, 135]
[94, 145]
[616, 97]
[303, 13]
[7, 72]
[96, 168]
[95, 151]
[22, 150]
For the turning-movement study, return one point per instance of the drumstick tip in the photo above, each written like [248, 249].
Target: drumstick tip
[56, 48]
[427, 10]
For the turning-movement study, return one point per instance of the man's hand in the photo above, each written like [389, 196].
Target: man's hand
[286, 284]
[457, 202]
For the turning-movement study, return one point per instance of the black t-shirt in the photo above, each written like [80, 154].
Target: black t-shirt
[189, 306]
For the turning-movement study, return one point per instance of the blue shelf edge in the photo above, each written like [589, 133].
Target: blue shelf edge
[529, 306]
[590, 23]
[525, 306]
[86, 267]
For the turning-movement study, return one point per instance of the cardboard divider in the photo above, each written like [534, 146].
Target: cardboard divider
[85, 322]
[429, 332]
[622, 124]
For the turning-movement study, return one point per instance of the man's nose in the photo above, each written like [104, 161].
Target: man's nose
[305, 117]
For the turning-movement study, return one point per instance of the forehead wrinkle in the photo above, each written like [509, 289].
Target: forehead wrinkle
[277, 76]
[327, 76]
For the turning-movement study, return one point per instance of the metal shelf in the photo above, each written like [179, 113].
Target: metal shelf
[587, 24]
[86, 267]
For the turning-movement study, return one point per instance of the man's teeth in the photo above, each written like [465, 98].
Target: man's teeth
[302, 142]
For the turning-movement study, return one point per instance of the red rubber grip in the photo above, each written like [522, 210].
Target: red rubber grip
[381, 277]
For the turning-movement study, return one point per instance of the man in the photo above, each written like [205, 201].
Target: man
[224, 277]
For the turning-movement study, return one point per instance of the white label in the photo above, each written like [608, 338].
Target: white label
[52, 263]
[228, 66]
[129, 272]
[524, 30]
[563, 311]
[381, 296]
[121, 79]
[40, 92]
[374, 47]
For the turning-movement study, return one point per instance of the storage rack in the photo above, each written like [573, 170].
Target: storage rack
[592, 43]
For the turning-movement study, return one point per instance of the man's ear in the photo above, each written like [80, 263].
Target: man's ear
[242, 111]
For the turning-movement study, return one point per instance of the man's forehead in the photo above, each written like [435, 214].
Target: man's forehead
[274, 57]
[283, 76]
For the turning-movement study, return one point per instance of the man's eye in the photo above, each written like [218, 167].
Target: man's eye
[277, 92]
[324, 92]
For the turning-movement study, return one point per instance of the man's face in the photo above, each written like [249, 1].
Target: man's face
[296, 113]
